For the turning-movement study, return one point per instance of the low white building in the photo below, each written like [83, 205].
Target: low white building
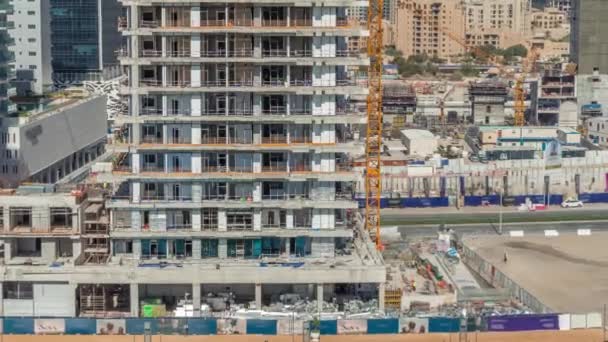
[597, 130]
[419, 142]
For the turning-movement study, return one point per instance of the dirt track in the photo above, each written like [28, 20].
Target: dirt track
[553, 336]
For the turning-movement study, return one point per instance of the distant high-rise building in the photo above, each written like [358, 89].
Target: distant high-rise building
[6, 58]
[500, 23]
[562, 5]
[431, 27]
[588, 37]
[84, 38]
[31, 32]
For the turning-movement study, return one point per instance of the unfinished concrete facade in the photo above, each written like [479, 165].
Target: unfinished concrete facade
[488, 100]
[232, 171]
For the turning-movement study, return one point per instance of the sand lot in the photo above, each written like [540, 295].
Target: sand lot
[568, 273]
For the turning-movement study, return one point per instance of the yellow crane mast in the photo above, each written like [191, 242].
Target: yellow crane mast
[373, 142]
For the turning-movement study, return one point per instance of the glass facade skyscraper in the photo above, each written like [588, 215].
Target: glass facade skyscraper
[84, 37]
[75, 35]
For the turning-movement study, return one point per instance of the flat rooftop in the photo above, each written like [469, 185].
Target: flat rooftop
[568, 273]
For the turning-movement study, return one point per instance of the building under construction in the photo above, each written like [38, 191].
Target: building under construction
[398, 99]
[488, 100]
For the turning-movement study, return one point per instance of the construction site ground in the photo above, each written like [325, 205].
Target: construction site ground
[535, 336]
[568, 273]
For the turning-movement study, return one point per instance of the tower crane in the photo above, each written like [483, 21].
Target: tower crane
[373, 142]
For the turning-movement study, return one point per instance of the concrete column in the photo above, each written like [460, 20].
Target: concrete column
[196, 221]
[137, 249]
[134, 20]
[222, 249]
[163, 16]
[134, 298]
[319, 297]
[76, 248]
[48, 249]
[287, 246]
[288, 78]
[1, 299]
[288, 44]
[9, 246]
[196, 298]
[288, 15]
[196, 249]
[258, 296]
[289, 219]
[381, 289]
[222, 224]
[163, 46]
[257, 220]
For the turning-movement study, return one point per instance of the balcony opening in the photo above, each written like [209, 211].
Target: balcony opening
[180, 248]
[273, 191]
[61, 218]
[239, 220]
[274, 105]
[179, 220]
[156, 248]
[274, 219]
[20, 217]
[209, 248]
[29, 247]
[209, 220]
[65, 247]
[123, 247]
[273, 16]
[273, 75]
[244, 249]
[274, 134]
[18, 290]
[274, 162]
[273, 47]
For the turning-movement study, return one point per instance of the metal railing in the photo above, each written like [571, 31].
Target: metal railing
[275, 167]
[284, 196]
[275, 139]
[151, 140]
[274, 22]
[179, 140]
[274, 53]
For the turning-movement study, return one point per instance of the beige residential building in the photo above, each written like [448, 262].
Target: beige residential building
[432, 27]
[501, 23]
[551, 23]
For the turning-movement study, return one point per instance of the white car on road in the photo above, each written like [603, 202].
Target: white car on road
[572, 203]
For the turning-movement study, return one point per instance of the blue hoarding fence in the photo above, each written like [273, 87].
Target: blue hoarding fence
[475, 201]
[202, 326]
[601, 197]
[382, 326]
[80, 326]
[261, 327]
[424, 202]
[523, 323]
[18, 326]
[328, 327]
[444, 324]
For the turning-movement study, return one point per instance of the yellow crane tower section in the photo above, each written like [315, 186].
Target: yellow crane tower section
[373, 142]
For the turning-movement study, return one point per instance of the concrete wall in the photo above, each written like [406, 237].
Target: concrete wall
[588, 39]
[49, 139]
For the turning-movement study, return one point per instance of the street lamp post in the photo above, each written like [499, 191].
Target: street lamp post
[500, 215]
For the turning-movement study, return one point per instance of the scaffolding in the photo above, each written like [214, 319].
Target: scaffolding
[96, 300]
[96, 230]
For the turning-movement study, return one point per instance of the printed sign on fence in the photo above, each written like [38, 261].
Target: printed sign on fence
[523, 323]
[413, 325]
[47, 326]
[231, 326]
[111, 327]
[290, 327]
[352, 326]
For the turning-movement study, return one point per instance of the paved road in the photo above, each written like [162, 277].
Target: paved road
[488, 215]
[483, 229]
